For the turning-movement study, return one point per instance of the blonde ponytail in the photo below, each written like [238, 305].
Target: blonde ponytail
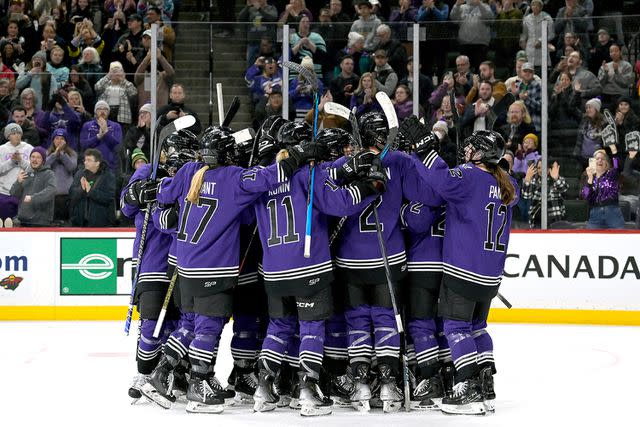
[507, 190]
[196, 184]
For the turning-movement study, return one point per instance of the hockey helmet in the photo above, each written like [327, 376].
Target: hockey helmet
[177, 159]
[336, 140]
[294, 133]
[216, 145]
[373, 129]
[181, 140]
[484, 146]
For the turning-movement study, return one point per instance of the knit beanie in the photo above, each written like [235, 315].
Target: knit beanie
[59, 132]
[12, 128]
[136, 155]
[40, 54]
[41, 151]
[532, 136]
[595, 103]
[101, 104]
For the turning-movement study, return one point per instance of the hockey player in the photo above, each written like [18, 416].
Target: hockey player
[480, 197]
[208, 252]
[360, 266]
[298, 288]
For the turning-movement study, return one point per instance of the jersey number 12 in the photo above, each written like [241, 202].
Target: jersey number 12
[494, 243]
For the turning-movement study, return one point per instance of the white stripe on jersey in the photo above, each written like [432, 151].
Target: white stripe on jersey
[205, 273]
[297, 273]
[470, 276]
[362, 264]
[425, 266]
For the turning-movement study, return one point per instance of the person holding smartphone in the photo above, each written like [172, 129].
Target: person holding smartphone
[600, 187]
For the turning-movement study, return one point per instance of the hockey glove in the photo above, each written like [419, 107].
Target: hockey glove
[301, 154]
[267, 148]
[377, 176]
[426, 145]
[356, 167]
[412, 129]
[140, 193]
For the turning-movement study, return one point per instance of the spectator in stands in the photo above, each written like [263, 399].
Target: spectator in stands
[521, 59]
[307, 43]
[51, 39]
[336, 12]
[630, 184]
[85, 36]
[532, 192]
[166, 8]
[432, 51]
[294, 12]
[272, 106]
[63, 161]
[6, 99]
[102, 134]
[526, 154]
[355, 49]
[530, 92]
[343, 85]
[128, 50]
[164, 76]
[447, 89]
[30, 134]
[564, 106]
[177, 108]
[126, 6]
[59, 71]
[508, 26]
[480, 114]
[531, 37]
[366, 25]
[402, 17]
[60, 115]
[364, 97]
[487, 73]
[600, 187]
[325, 120]
[444, 113]
[386, 79]
[262, 77]
[6, 72]
[90, 65]
[463, 76]
[570, 44]
[425, 84]
[585, 83]
[20, 16]
[572, 18]
[589, 139]
[334, 35]
[79, 83]
[166, 34]
[35, 187]
[118, 92]
[82, 10]
[403, 103]
[11, 61]
[506, 162]
[616, 77]
[474, 34]
[14, 158]
[260, 15]
[138, 159]
[301, 93]
[626, 120]
[600, 52]
[38, 79]
[91, 193]
[518, 125]
[395, 51]
[138, 137]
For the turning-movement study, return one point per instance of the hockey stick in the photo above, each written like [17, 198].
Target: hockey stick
[231, 112]
[165, 304]
[392, 121]
[310, 76]
[504, 300]
[176, 125]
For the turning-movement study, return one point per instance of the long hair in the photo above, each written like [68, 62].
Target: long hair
[360, 88]
[507, 190]
[526, 117]
[196, 184]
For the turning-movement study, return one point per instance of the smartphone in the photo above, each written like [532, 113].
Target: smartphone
[529, 163]
[592, 162]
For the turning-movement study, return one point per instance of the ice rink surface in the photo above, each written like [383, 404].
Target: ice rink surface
[78, 373]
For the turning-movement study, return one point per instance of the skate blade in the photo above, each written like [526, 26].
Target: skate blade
[295, 404]
[263, 406]
[475, 408]
[419, 406]
[284, 401]
[389, 406]
[200, 408]
[341, 402]
[314, 411]
[490, 405]
[152, 394]
[243, 399]
[230, 401]
[361, 405]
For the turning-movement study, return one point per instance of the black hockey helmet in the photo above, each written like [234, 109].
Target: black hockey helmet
[487, 147]
[294, 133]
[182, 140]
[177, 159]
[270, 127]
[216, 145]
[373, 129]
[336, 140]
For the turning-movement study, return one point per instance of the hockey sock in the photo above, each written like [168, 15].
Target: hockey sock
[463, 348]
[312, 334]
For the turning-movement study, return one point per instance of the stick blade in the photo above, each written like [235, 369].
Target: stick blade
[388, 109]
[337, 109]
[231, 112]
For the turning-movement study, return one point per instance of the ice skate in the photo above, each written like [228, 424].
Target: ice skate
[294, 403]
[312, 401]
[180, 381]
[361, 393]
[159, 387]
[390, 394]
[488, 392]
[467, 399]
[245, 385]
[224, 394]
[428, 394]
[265, 398]
[202, 399]
[340, 389]
[134, 391]
[447, 372]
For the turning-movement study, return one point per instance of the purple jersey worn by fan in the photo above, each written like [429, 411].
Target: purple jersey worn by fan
[281, 215]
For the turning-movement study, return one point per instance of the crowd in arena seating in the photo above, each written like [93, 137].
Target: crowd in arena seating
[74, 77]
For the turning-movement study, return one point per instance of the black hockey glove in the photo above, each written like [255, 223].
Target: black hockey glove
[301, 154]
[377, 175]
[267, 149]
[356, 167]
[426, 145]
[412, 129]
[141, 193]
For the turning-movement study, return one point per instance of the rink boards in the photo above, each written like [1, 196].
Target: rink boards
[586, 277]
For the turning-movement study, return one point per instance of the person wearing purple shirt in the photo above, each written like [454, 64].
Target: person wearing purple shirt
[103, 135]
[480, 197]
[601, 189]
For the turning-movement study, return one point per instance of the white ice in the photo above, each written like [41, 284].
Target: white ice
[78, 373]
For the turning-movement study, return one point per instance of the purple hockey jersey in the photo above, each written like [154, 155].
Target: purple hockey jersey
[424, 232]
[208, 232]
[358, 251]
[153, 267]
[478, 226]
[165, 220]
[281, 215]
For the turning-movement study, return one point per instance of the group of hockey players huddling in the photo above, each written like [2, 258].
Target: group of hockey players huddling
[228, 226]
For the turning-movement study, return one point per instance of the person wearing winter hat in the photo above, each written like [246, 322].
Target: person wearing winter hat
[35, 187]
[626, 119]
[594, 103]
[139, 136]
[116, 90]
[63, 161]
[14, 156]
[591, 126]
[526, 154]
[138, 159]
[39, 79]
[102, 134]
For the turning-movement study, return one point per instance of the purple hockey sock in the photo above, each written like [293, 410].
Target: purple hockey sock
[444, 352]
[336, 356]
[201, 350]
[386, 335]
[359, 334]
[423, 333]
[484, 343]
[279, 333]
[177, 344]
[463, 348]
[311, 347]
[149, 348]
[244, 344]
